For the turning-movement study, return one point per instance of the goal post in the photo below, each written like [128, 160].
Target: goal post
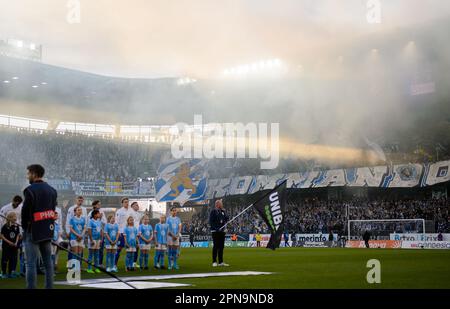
[385, 226]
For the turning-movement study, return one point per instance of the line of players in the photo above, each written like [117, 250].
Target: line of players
[124, 230]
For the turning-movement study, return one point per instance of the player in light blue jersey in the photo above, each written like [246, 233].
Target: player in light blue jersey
[173, 238]
[130, 235]
[95, 233]
[145, 239]
[77, 226]
[161, 230]
[111, 236]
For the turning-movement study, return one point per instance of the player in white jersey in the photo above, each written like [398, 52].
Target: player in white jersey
[122, 216]
[137, 221]
[136, 215]
[15, 206]
[98, 205]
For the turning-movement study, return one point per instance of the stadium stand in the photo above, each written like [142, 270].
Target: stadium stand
[74, 157]
[101, 159]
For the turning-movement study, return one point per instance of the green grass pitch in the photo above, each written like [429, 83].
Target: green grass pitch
[299, 268]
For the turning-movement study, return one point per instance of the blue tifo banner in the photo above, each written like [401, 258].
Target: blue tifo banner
[391, 176]
[181, 181]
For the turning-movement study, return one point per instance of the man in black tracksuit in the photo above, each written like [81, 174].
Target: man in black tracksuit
[366, 238]
[217, 219]
[38, 223]
[191, 237]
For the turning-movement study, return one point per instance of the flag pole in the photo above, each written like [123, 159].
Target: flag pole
[235, 217]
[239, 214]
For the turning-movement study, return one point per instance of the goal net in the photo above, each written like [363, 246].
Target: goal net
[382, 228]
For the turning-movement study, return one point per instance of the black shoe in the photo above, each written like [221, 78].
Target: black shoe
[163, 267]
[155, 267]
[146, 268]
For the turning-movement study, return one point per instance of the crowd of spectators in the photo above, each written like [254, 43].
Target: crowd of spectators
[74, 156]
[317, 216]
[81, 157]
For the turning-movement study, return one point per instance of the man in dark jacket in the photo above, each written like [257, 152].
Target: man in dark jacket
[331, 238]
[217, 219]
[191, 236]
[38, 213]
[366, 238]
[294, 239]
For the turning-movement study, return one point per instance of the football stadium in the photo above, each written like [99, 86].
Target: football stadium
[242, 145]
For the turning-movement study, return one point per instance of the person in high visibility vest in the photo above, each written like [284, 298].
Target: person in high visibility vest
[258, 238]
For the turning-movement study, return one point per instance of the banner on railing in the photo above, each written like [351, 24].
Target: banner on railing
[113, 188]
[393, 176]
[420, 236]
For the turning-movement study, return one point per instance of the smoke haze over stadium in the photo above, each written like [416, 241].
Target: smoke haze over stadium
[345, 79]
[143, 38]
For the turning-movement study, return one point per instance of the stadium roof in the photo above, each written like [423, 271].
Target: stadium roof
[29, 83]
[149, 38]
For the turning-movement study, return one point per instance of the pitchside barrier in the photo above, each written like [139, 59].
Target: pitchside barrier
[425, 244]
[399, 244]
[209, 244]
[197, 244]
[394, 241]
[200, 238]
[384, 244]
